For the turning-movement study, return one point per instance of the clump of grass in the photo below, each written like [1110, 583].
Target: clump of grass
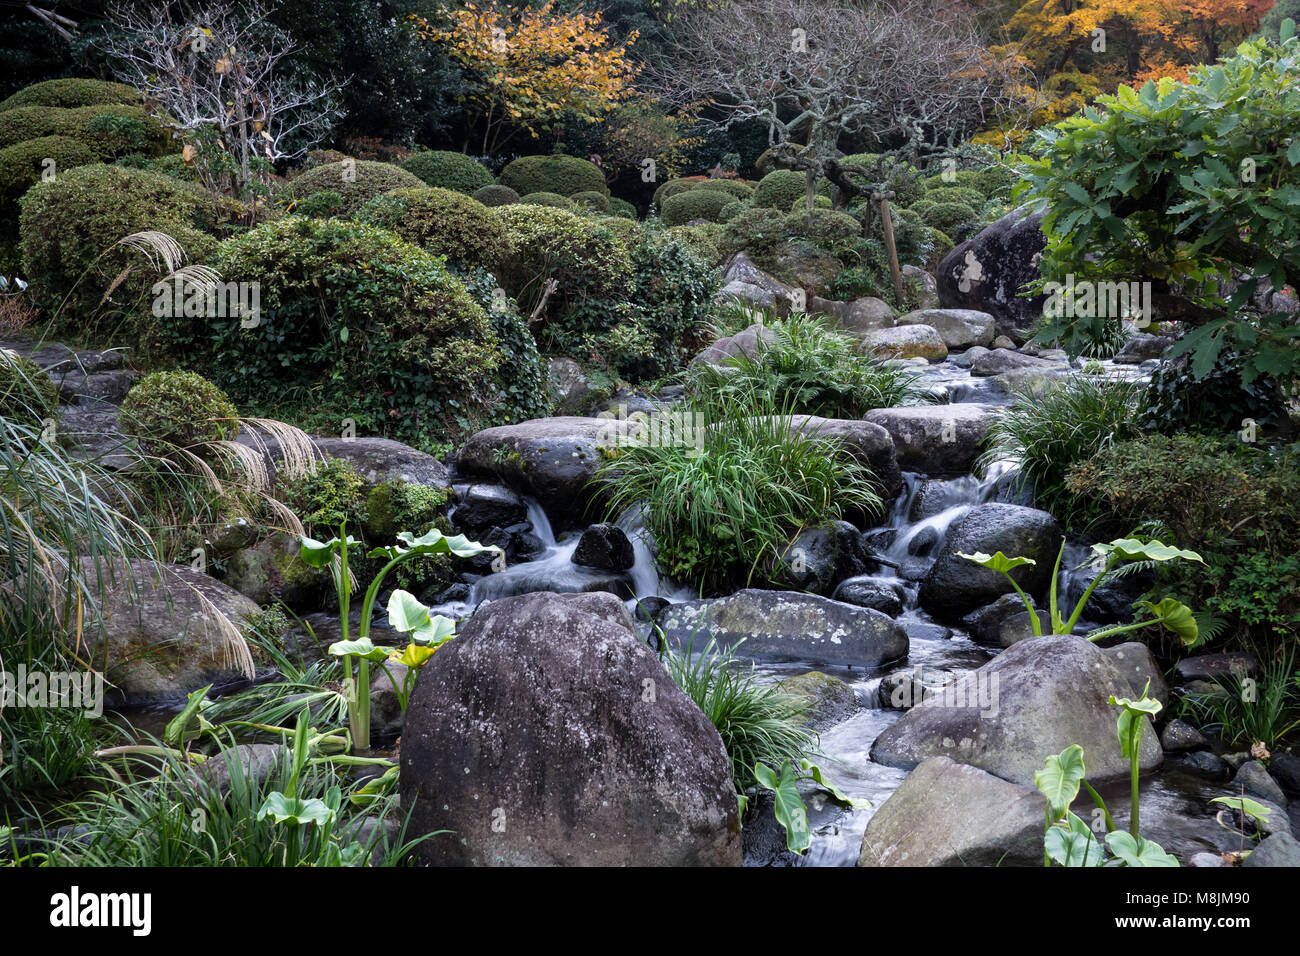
[723, 512]
[813, 368]
[1253, 710]
[1046, 433]
[757, 723]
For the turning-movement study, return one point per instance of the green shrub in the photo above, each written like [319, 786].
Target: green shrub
[27, 394]
[69, 226]
[889, 173]
[693, 204]
[819, 202]
[1235, 504]
[822, 226]
[919, 208]
[170, 410]
[1216, 402]
[447, 170]
[588, 261]
[111, 130]
[622, 208]
[725, 516]
[780, 189]
[496, 195]
[356, 181]
[1070, 421]
[948, 216]
[328, 495]
[444, 222]
[356, 317]
[554, 200]
[703, 239]
[672, 187]
[732, 187]
[971, 197]
[22, 164]
[957, 179]
[325, 204]
[811, 368]
[71, 92]
[940, 245]
[560, 174]
[594, 201]
[731, 210]
[171, 164]
[756, 231]
[521, 377]
[856, 282]
[672, 287]
[395, 506]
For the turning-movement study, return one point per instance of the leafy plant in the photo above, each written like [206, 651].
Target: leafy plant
[1250, 710]
[1169, 613]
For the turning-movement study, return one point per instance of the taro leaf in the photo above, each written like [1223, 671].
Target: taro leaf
[362, 647]
[790, 811]
[407, 614]
[1256, 811]
[176, 727]
[1131, 549]
[295, 810]
[431, 542]
[1060, 779]
[813, 771]
[1129, 724]
[1071, 843]
[998, 562]
[1176, 617]
[317, 554]
[1138, 852]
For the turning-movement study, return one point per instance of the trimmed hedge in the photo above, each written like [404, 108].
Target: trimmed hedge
[684, 207]
[496, 195]
[559, 174]
[68, 224]
[443, 222]
[22, 165]
[355, 181]
[971, 197]
[522, 392]
[732, 187]
[671, 188]
[622, 208]
[780, 189]
[27, 394]
[947, 216]
[554, 200]
[111, 130]
[375, 324]
[596, 202]
[72, 92]
[447, 170]
[166, 411]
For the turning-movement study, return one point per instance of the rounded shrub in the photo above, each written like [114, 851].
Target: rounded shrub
[355, 316]
[730, 211]
[622, 208]
[940, 245]
[588, 261]
[27, 395]
[732, 187]
[947, 216]
[22, 164]
[673, 287]
[672, 187]
[110, 129]
[594, 201]
[819, 202]
[694, 204]
[957, 179]
[780, 189]
[554, 200]
[447, 170]
[757, 231]
[496, 195]
[971, 197]
[629, 230]
[560, 174]
[521, 378]
[897, 174]
[331, 493]
[441, 221]
[71, 92]
[703, 240]
[356, 182]
[169, 410]
[822, 226]
[69, 225]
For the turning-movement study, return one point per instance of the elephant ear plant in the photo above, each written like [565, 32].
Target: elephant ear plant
[1173, 615]
[1068, 840]
[405, 613]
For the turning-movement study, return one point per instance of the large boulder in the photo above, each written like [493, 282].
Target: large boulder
[1143, 347]
[747, 343]
[923, 286]
[959, 328]
[376, 459]
[870, 444]
[552, 459]
[989, 271]
[606, 548]
[936, 440]
[481, 506]
[859, 316]
[1032, 701]
[787, 625]
[1001, 361]
[165, 630]
[829, 699]
[547, 733]
[951, 814]
[906, 341]
[745, 283]
[820, 558]
[955, 586]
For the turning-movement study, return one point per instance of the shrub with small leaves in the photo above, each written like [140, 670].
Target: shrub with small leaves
[591, 200]
[71, 92]
[732, 187]
[496, 195]
[557, 173]
[694, 204]
[443, 222]
[780, 189]
[27, 395]
[621, 208]
[166, 411]
[356, 181]
[333, 492]
[111, 130]
[447, 170]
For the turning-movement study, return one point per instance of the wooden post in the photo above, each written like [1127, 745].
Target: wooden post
[887, 226]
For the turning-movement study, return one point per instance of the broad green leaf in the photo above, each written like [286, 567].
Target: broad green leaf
[432, 541]
[413, 655]
[1060, 779]
[408, 615]
[790, 811]
[1247, 806]
[295, 810]
[1131, 549]
[996, 562]
[1129, 725]
[1138, 852]
[317, 554]
[815, 772]
[362, 647]
[175, 733]
[1176, 617]
[1072, 843]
